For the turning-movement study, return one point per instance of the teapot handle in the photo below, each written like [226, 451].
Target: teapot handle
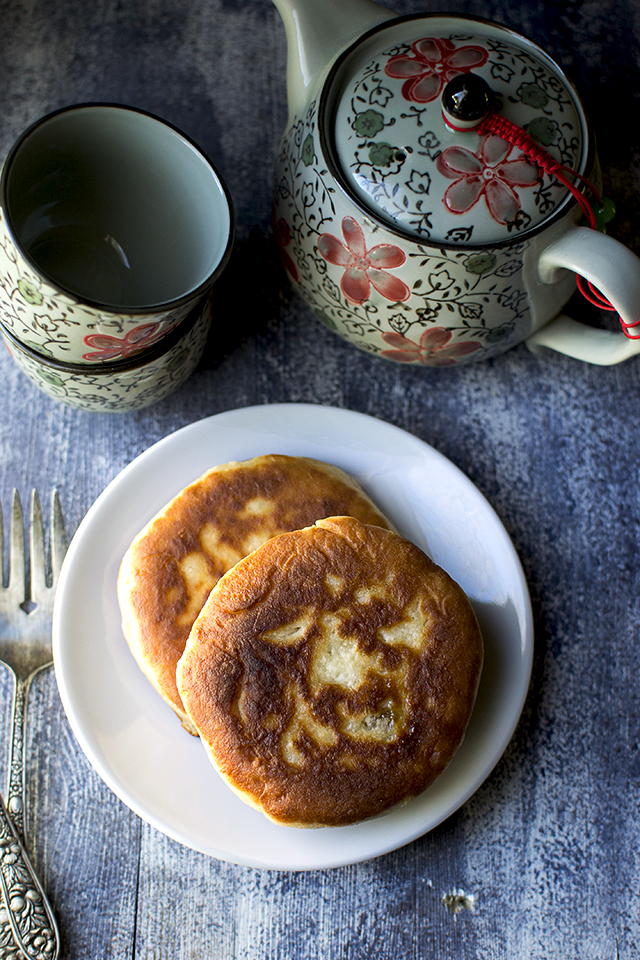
[615, 271]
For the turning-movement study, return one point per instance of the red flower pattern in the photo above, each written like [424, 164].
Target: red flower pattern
[486, 173]
[113, 348]
[434, 62]
[432, 351]
[364, 268]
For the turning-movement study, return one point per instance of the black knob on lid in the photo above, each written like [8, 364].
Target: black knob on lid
[466, 100]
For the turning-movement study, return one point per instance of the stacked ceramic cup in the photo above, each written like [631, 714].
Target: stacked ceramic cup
[114, 228]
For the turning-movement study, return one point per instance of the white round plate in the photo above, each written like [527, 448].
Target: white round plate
[134, 740]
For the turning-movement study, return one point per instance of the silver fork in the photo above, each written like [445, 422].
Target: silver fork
[27, 925]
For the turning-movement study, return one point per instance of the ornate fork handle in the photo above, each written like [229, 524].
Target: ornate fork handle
[28, 928]
[16, 791]
[25, 911]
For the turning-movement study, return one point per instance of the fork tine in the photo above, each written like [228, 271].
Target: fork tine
[17, 578]
[36, 545]
[58, 537]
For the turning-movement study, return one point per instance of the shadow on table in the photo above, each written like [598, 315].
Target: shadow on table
[248, 298]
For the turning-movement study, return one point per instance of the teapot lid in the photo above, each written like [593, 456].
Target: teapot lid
[425, 170]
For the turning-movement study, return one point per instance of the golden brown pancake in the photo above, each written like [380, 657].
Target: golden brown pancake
[172, 565]
[332, 673]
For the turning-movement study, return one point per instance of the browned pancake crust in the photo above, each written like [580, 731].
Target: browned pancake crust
[332, 673]
[173, 564]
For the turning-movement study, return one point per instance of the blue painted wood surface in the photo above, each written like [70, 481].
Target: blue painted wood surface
[543, 862]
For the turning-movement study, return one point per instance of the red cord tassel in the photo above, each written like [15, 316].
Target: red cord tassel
[502, 127]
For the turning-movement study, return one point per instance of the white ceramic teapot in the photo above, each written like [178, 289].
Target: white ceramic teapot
[417, 234]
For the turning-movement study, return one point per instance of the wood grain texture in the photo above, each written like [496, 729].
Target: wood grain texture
[543, 861]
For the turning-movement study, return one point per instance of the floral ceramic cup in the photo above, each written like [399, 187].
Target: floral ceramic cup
[126, 384]
[430, 241]
[113, 226]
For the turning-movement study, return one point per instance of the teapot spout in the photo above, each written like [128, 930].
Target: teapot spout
[316, 32]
